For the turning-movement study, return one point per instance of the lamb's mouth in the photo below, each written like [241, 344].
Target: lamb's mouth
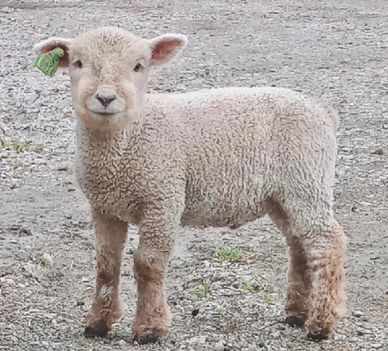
[104, 113]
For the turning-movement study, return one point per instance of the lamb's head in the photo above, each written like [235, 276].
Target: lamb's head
[109, 69]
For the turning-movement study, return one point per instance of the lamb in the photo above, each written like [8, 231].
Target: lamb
[219, 157]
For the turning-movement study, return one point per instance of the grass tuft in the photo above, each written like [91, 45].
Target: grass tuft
[247, 286]
[19, 146]
[229, 254]
[203, 290]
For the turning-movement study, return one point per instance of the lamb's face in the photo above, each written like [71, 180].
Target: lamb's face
[109, 70]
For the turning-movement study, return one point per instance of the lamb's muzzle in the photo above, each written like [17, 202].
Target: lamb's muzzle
[220, 157]
[106, 101]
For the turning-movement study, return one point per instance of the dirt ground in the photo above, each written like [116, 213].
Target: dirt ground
[336, 50]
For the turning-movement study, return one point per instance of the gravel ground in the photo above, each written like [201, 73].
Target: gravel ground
[336, 50]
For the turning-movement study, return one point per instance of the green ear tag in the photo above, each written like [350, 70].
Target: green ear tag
[48, 62]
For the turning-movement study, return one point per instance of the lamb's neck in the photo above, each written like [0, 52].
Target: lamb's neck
[92, 143]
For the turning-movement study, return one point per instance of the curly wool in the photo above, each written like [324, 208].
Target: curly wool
[218, 154]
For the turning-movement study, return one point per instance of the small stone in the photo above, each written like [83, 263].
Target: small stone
[357, 314]
[24, 231]
[122, 343]
[377, 152]
[46, 260]
[30, 269]
[363, 331]
[197, 340]
[62, 168]
[376, 346]
[219, 346]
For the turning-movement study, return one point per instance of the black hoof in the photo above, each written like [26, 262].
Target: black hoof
[317, 337]
[99, 329]
[295, 322]
[148, 337]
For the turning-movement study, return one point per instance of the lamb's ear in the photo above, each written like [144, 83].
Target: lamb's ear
[166, 47]
[52, 43]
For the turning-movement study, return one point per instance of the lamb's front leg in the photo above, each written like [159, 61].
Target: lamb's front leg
[106, 308]
[150, 266]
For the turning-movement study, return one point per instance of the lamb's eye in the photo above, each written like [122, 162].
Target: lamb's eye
[78, 64]
[138, 67]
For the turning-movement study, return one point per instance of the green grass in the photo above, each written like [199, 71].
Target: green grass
[247, 286]
[37, 149]
[64, 146]
[51, 276]
[267, 298]
[280, 242]
[203, 290]
[229, 254]
[19, 146]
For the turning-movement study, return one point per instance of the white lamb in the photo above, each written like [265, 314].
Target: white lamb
[220, 157]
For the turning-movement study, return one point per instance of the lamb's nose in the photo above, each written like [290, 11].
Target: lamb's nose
[105, 99]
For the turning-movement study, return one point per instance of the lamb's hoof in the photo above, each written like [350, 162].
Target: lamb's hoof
[295, 322]
[318, 336]
[149, 335]
[98, 329]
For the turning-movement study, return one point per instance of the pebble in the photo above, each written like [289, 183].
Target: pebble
[30, 269]
[357, 314]
[46, 260]
[122, 343]
[197, 340]
[376, 346]
[24, 231]
[219, 346]
[63, 168]
[360, 332]
[377, 152]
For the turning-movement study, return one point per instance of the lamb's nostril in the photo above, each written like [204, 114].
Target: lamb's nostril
[105, 99]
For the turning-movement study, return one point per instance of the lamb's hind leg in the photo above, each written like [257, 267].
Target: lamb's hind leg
[106, 309]
[325, 252]
[299, 282]
[321, 242]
